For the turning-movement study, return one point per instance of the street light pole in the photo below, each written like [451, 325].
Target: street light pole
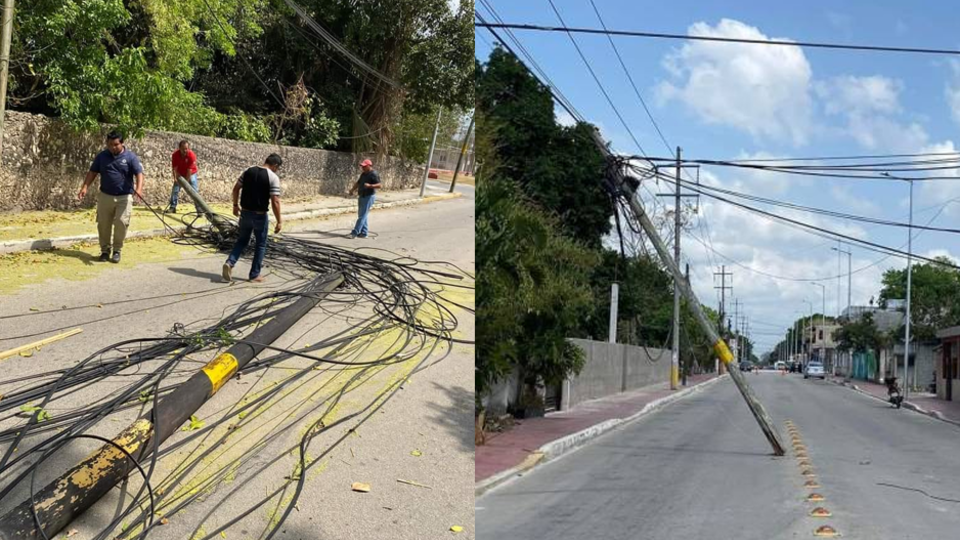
[906, 343]
[807, 359]
[906, 337]
[849, 294]
[823, 323]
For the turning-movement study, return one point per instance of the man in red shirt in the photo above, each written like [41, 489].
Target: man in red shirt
[184, 166]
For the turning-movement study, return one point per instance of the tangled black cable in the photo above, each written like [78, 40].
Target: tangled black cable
[397, 294]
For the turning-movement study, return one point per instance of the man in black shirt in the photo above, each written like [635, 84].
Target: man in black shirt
[255, 190]
[367, 185]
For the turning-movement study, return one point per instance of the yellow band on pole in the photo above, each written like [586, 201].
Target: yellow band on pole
[722, 351]
[220, 369]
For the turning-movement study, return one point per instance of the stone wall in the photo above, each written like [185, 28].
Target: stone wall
[612, 368]
[44, 162]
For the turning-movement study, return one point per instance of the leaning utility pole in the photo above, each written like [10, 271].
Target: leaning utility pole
[65, 498]
[6, 35]
[629, 187]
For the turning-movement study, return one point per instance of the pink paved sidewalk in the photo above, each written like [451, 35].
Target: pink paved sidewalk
[927, 403]
[506, 450]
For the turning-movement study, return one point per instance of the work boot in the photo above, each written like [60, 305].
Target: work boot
[105, 256]
[116, 257]
[226, 273]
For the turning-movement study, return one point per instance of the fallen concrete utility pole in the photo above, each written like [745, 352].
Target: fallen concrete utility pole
[720, 348]
[78, 489]
[221, 224]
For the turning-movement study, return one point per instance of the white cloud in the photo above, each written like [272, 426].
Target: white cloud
[952, 90]
[942, 253]
[764, 91]
[871, 108]
[852, 202]
[873, 93]
[565, 119]
[942, 191]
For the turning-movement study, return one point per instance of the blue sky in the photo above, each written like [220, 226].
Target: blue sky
[729, 101]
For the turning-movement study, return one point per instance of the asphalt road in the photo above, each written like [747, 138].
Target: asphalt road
[468, 191]
[700, 468]
[422, 434]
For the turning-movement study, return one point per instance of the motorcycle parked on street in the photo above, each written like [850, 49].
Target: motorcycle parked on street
[894, 395]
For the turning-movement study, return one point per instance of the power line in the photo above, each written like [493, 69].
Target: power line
[596, 79]
[701, 223]
[775, 42]
[331, 40]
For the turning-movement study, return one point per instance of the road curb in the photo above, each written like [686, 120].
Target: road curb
[46, 244]
[909, 405]
[564, 445]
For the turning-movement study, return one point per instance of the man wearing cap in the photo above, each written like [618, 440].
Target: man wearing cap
[121, 177]
[257, 190]
[184, 166]
[367, 185]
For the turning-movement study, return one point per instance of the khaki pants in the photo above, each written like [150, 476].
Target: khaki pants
[113, 212]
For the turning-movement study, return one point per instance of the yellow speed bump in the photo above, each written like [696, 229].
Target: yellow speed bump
[826, 531]
[808, 472]
[802, 455]
[811, 484]
[804, 463]
[815, 497]
[820, 512]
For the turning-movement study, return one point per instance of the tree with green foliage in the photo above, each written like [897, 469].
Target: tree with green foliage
[193, 66]
[934, 293]
[533, 289]
[861, 335]
[558, 167]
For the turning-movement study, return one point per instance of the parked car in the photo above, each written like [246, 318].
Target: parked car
[780, 366]
[814, 369]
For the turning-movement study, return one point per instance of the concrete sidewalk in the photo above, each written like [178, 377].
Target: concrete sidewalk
[924, 403]
[43, 230]
[513, 452]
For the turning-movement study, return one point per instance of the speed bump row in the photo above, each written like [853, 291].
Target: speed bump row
[810, 481]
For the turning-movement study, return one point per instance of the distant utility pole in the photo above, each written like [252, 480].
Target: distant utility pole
[463, 151]
[6, 35]
[723, 289]
[686, 366]
[614, 299]
[677, 224]
[433, 144]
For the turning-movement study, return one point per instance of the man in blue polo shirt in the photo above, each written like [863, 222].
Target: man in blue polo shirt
[121, 177]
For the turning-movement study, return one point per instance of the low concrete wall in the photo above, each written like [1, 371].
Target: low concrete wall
[612, 368]
[44, 162]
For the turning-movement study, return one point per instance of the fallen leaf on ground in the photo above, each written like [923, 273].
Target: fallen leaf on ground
[26, 354]
[416, 453]
[361, 487]
[38, 309]
[72, 532]
[456, 528]
[195, 423]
